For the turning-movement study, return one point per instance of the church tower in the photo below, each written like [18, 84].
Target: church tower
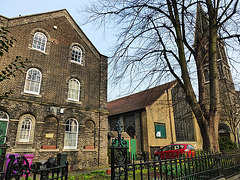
[228, 98]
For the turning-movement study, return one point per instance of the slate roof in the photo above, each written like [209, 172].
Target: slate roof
[137, 101]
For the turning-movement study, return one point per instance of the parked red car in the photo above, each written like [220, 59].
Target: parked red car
[174, 151]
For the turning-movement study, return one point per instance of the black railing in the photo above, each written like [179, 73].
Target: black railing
[19, 167]
[198, 165]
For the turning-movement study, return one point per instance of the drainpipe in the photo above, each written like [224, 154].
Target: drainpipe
[141, 137]
[170, 117]
[99, 113]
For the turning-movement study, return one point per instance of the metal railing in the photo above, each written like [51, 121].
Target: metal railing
[201, 166]
[19, 167]
[197, 166]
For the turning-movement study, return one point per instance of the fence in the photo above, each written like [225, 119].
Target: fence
[200, 166]
[18, 167]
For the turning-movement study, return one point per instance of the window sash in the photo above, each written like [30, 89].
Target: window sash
[25, 131]
[70, 140]
[71, 134]
[32, 86]
[39, 41]
[33, 82]
[76, 54]
[73, 90]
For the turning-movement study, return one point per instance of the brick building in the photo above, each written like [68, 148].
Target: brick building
[59, 101]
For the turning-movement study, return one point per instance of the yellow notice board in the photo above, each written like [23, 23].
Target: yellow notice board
[49, 135]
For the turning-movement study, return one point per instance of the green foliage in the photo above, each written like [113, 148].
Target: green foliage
[98, 174]
[5, 42]
[227, 144]
[15, 65]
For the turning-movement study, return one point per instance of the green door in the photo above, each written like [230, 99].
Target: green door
[133, 149]
[3, 129]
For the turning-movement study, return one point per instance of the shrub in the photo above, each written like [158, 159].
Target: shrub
[227, 144]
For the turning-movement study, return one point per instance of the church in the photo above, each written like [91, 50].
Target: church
[160, 116]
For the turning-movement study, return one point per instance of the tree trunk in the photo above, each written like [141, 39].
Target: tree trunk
[212, 119]
[209, 130]
[208, 122]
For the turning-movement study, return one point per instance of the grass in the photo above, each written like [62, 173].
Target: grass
[98, 174]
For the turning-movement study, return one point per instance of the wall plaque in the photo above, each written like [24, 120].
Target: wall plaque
[49, 135]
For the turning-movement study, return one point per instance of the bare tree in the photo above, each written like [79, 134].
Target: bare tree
[157, 37]
[230, 113]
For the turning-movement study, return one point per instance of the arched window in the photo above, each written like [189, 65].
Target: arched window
[71, 134]
[39, 41]
[26, 128]
[3, 116]
[76, 54]
[73, 90]
[33, 81]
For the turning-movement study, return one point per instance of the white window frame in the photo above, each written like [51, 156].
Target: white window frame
[39, 41]
[71, 132]
[4, 116]
[32, 83]
[74, 90]
[25, 131]
[76, 54]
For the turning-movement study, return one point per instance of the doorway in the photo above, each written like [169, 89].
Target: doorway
[4, 119]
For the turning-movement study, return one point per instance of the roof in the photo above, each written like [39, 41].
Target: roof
[137, 101]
